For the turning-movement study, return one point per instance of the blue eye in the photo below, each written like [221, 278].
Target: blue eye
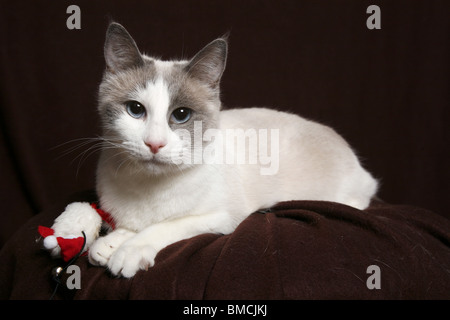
[135, 109]
[181, 115]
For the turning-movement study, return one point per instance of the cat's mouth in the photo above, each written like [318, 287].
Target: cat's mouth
[158, 165]
[151, 161]
[155, 160]
[159, 161]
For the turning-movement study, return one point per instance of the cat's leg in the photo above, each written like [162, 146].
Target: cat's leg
[77, 217]
[139, 252]
[102, 249]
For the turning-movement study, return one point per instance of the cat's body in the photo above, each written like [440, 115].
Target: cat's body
[160, 188]
[316, 164]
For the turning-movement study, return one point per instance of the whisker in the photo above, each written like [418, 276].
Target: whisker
[86, 141]
[126, 160]
[88, 146]
[72, 141]
[86, 154]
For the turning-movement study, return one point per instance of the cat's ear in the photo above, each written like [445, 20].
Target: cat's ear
[208, 65]
[121, 51]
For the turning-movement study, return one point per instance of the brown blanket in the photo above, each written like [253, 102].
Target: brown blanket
[297, 250]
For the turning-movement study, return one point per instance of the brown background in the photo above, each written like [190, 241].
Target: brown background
[386, 91]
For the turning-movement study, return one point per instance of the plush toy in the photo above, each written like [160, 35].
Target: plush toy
[75, 229]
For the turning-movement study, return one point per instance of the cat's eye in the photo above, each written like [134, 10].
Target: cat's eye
[135, 109]
[180, 115]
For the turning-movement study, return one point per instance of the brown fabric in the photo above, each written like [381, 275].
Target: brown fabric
[298, 250]
[386, 91]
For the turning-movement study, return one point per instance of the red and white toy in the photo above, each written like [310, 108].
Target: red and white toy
[65, 237]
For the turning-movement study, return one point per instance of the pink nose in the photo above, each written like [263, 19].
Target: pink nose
[154, 147]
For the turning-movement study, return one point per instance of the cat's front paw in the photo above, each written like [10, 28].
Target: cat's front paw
[130, 258]
[102, 249]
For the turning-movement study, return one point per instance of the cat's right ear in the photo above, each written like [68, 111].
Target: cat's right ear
[120, 49]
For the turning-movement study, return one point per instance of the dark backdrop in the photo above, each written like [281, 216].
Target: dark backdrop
[386, 91]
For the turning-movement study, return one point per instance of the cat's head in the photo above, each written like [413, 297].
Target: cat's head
[150, 108]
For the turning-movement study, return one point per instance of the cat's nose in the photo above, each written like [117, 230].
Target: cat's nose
[155, 146]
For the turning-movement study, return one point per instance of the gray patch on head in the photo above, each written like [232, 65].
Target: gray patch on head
[118, 88]
[188, 92]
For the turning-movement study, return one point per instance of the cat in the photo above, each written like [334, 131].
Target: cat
[164, 174]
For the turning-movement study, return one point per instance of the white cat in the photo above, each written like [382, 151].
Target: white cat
[164, 175]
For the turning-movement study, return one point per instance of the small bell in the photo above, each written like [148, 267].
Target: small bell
[56, 271]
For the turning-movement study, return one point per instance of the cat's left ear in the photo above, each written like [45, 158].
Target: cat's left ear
[208, 65]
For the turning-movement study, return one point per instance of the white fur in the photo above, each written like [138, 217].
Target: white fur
[156, 98]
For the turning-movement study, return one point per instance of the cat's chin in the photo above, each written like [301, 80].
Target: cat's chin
[157, 166]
